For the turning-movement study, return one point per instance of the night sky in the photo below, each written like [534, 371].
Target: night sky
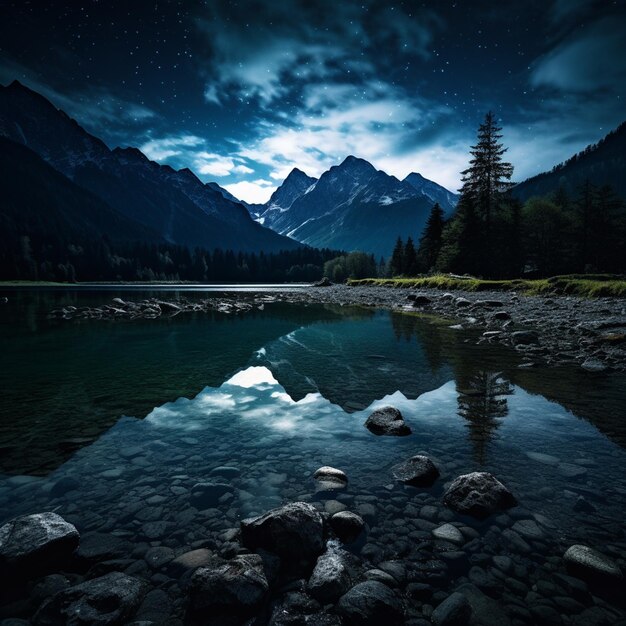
[243, 91]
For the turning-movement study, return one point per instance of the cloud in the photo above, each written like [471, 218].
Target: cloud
[281, 47]
[167, 147]
[255, 192]
[377, 122]
[588, 61]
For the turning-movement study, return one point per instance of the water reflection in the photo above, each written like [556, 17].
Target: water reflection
[482, 402]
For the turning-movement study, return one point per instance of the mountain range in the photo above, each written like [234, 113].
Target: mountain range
[50, 161]
[173, 205]
[353, 206]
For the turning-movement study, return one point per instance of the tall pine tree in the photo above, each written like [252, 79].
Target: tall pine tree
[485, 181]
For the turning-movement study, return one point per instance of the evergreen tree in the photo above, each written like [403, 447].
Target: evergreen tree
[396, 264]
[485, 181]
[430, 241]
[410, 259]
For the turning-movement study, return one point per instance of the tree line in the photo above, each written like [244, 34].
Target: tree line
[33, 258]
[493, 235]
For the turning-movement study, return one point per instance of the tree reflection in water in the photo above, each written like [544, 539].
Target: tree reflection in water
[482, 402]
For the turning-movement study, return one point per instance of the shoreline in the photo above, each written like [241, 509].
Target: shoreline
[547, 330]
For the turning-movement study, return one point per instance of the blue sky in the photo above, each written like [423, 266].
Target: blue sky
[243, 91]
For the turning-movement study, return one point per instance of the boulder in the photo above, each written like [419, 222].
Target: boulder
[107, 600]
[347, 525]
[590, 564]
[291, 531]
[371, 603]
[419, 299]
[330, 479]
[455, 610]
[462, 302]
[387, 421]
[189, 561]
[331, 577]
[36, 544]
[418, 471]
[478, 494]
[235, 587]
[501, 316]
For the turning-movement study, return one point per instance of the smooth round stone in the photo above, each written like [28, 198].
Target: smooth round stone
[225, 471]
[528, 529]
[159, 556]
[347, 525]
[418, 471]
[334, 506]
[448, 532]
[592, 563]
[569, 470]
[479, 494]
[330, 479]
[540, 457]
[387, 421]
[455, 610]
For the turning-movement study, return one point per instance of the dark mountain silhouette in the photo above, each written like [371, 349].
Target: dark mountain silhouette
[603, 163]
[174, 204]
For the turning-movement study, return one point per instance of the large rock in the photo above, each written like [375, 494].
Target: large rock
[292, 531]
[35, 544]
[591, 564]
[455, 610]
[418, 471]
[478, 494]
[485, 610]
[330, 479]
[105, 601]
[387, 421]
[347, 526]
[371, 604]
[238, 586]
[331, 576]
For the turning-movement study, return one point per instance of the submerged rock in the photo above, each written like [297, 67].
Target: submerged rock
[478, 494]
[292, 531]
[238, 586]
[110, 599]
[34, 544]
[418, 471]
[455, 610]
[387, 421]
[589, 563]
[347, 525]
[330, 479]
[370, 604]
[448, 532]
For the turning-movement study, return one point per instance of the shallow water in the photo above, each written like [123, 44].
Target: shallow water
[279, 392]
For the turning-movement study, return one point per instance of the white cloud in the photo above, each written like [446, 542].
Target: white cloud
[255, 192]
[167, 147]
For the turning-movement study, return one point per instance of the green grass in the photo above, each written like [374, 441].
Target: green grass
[592, 286]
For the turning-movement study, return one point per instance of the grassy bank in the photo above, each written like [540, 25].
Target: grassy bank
[592, 286]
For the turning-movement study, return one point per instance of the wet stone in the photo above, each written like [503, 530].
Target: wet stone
[448, 532]
[347, 526]
[110, 599]
[387, 421]
[478, 494]
[34, 544]
[418, 471]
[370, 604]
[590, 563]
[455, 610]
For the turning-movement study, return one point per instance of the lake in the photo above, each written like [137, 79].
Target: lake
[111, 424]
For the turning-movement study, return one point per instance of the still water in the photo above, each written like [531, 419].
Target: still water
[136, 413]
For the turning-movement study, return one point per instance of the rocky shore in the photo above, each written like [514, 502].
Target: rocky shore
[554, 330]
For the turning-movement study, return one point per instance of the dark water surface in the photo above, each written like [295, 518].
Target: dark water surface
[140, 411]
